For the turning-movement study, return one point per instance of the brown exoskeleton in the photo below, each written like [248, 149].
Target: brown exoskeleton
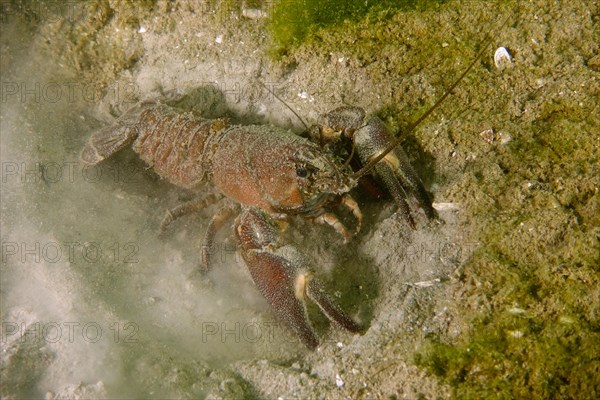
[272, 174]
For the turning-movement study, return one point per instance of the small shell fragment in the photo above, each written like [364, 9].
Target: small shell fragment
[490, 136]
[504, 137]
[487, 135]
[502, 58]
[515, 334]
[517, 311]
[424, 283]
[445, 206]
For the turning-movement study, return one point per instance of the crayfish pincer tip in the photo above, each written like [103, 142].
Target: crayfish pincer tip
[311, 342]
[316, 293]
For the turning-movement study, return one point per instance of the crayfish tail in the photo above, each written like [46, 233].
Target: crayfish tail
[107, 141]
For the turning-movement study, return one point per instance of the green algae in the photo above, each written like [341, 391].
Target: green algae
[531, 296]
[292, 21]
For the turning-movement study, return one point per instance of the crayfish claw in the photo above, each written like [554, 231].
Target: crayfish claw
[283, 276]
[394, 170]
[371, 140]
[315, 291]
[282, 285]
[388, 178]
[343, 120]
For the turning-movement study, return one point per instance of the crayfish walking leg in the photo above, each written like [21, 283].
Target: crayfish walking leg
[188, 207]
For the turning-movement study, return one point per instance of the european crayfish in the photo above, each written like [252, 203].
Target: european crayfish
[269, 173]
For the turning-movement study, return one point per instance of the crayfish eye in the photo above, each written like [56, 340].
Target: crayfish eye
[302, 172]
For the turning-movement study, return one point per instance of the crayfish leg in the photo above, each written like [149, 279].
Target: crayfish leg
[333, 221]
[352, 205]
[208, 244]
[188, 207]
[216, 223]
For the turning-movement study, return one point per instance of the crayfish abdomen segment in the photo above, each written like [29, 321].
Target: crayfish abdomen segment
[174, 144]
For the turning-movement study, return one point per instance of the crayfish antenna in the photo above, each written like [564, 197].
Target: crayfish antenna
[285, 104]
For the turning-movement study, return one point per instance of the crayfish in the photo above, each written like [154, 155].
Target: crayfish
[270, 173]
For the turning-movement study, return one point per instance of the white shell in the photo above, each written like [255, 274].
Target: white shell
[488, 135]
[502, 58]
